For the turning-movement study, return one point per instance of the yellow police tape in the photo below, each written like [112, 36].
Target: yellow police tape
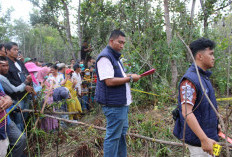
[218, 99]
[224, 99]
[217, 149]
[136, 90]
[18, 138]
[143, 92]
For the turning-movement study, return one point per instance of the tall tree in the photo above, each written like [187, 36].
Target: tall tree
[50, 12]
[5, 25]
[169, 40]
[209, 7]
[191, 21]
[68, 28]
[79, 28]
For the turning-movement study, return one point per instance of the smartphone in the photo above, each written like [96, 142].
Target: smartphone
[19, 53]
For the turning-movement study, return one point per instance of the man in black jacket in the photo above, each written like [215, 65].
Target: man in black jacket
[16, 75]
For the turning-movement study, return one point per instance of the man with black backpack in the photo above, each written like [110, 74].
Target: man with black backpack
[201, 131]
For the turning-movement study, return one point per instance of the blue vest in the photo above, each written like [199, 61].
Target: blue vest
[114, 96]
[204, 113]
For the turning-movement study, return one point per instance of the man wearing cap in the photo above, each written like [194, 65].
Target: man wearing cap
[113, 93]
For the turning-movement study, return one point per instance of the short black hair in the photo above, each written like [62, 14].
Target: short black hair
[2, 58]
[9, 45]
[1, 45]
[49, 64]
[116, 33]
[201, 44]
[76, 66]
[54, 66]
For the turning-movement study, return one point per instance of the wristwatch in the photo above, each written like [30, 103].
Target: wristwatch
[131, 79]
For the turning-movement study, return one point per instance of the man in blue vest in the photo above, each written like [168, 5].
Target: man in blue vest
[113, 93]
[201, 131]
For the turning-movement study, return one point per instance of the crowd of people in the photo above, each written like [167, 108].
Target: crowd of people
[73, 86]
[61, 88]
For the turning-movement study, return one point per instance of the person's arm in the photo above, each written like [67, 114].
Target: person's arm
[187, 108]
[63, 81]
[116, 81]
[106, 73]
[74, 81]
[206, 143]
[10, 88]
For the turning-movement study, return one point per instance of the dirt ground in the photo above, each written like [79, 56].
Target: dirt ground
[80, 141]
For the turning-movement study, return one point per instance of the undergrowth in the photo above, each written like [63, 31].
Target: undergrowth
[80, 141]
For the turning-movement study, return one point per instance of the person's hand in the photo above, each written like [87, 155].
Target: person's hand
[135, 77]
[29, 89]
[207, 145]
[5, 102]
[28, 79]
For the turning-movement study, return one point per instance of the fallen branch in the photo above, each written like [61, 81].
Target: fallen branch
[51, 112]
[129, 134]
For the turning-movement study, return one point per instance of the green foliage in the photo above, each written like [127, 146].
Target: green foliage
[5, 25]
[40, 41]
[146, 47]
[163, 151]
[221, 33]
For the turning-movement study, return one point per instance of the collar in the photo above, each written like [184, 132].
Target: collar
[206, 73]
[115, 53]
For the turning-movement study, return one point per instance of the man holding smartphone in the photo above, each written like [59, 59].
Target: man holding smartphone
[16, 75]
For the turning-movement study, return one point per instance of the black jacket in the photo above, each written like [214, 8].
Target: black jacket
[14, 78]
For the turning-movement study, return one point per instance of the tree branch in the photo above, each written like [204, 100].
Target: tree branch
[229, 3]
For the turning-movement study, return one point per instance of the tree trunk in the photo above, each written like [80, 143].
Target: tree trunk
[169, 40]
[206, 25]
[67, 28]
[167, 21]
[191, 21]
[205, 17]
[79, 29]
[192, 11]
[191, 29]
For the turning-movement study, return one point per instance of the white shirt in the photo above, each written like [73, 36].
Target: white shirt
[77, 77]
[106, 70]
[18, 67]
